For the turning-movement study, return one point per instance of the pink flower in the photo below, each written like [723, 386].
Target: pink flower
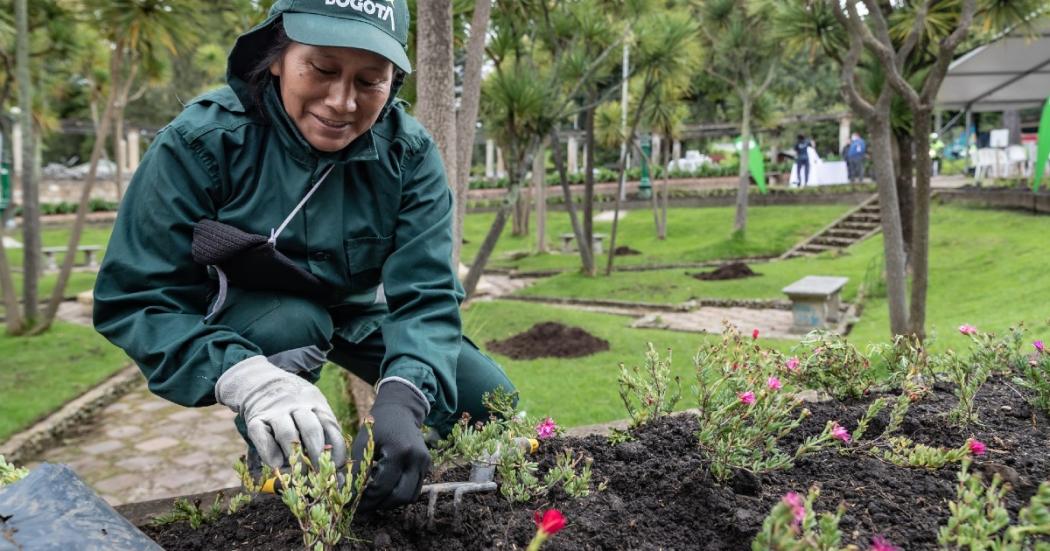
[792, 364]
[546, 429]
[773, 383]
[879, 543]
[977, 447]
[840, 432]
[754, 334]
[798, 508]
[967, 329]
[746, 398]
[1039, 346]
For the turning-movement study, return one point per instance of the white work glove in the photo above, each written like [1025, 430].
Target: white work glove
[280, 408]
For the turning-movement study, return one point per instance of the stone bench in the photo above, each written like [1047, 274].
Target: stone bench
[51, 254]
[569, 239]
[815, 302]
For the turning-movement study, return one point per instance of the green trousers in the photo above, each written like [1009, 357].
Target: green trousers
[294, 333]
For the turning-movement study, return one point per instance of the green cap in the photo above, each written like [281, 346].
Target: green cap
[379, 26]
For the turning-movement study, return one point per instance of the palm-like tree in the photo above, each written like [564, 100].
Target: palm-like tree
[141, 34]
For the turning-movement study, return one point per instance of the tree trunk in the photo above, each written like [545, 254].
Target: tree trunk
[667, 193]
[121, 149]
[893, 244]
[539, 187]
[522, 208]
[466, 119]
[436, 96]
[905, 187]
[101, 133]
[920, 244]
[740, 223]
[30, 188]
[588, 174]
[586, 254]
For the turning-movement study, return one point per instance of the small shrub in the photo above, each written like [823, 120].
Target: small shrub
[651, 391]
[1035, 376]
[988, 353]
[744, 410]
[979, 519]
[793, 525]
[322, 504]
[185, 511]
[9, 473]
[830, 363]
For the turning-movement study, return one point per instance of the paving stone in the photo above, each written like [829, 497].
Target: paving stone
[187, 414]
[103, 447]
[140, 463]
[117, 483]
[155, 404]
[196, 460]
[222, 426]
[180, 479]
[123, 431]
[87, 465]
[157, 444]
[222, 412]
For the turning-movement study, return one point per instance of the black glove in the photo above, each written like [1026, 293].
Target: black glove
[401, 458]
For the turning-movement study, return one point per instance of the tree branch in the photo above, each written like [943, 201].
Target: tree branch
[849, 67]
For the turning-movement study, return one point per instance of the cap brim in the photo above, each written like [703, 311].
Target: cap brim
[321, 30]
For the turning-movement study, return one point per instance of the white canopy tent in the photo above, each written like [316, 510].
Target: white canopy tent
[1012, 72]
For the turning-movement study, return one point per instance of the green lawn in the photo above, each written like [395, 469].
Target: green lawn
[987, 268]
[694, 235]
[42, 373]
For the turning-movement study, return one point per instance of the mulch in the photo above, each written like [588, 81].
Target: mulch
[732, 270]
[549, 339]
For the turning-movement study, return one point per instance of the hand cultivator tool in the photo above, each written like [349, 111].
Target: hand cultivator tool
[482, 472]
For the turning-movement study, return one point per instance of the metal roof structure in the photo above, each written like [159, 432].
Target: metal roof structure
[1012, 72]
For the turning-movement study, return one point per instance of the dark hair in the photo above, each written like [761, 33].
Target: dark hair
[801, 137]
[259, 76]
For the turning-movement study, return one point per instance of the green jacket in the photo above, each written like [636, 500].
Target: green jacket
[383, 215]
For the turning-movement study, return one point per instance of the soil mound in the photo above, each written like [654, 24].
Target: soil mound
[733, 270]
[549, 340]
[624, 250]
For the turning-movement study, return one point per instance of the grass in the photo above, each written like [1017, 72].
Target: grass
[694, 235]
[987, 268]
[42, 373]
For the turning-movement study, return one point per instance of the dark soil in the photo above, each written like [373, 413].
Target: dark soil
[733, 270]
[624, 250]
[549, 339]
[659, 495]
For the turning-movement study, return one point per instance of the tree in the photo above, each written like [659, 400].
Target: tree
[467, 116]
[435, 90]
[666, 54]
[740, 49]
[140, 33]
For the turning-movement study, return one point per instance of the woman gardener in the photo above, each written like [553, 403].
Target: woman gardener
[298, 216]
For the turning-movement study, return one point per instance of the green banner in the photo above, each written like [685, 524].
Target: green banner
[756, 163]
[1042, 147]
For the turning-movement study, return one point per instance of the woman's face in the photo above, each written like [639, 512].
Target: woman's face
[333, 94]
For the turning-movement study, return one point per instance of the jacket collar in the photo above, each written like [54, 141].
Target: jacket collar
[361, 149]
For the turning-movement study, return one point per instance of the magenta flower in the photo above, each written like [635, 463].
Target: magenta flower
[546, 429]
[746, 398]
[754, 334]
[798, 508]
[1039, 346]
[879, 543]
[967, 329]
[840, 432]
[977, 447]
[792, 364]
[773, 383]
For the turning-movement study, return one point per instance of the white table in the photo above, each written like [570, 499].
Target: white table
[823, 173]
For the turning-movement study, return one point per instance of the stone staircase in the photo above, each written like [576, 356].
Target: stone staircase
[856, 225]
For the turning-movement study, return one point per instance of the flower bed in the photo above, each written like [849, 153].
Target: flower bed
[889, 472]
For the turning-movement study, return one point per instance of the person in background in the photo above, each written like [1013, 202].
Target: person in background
[936, 149]
[856, 151]
[802, 145]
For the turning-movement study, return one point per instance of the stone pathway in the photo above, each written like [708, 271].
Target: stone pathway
[143, 447]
